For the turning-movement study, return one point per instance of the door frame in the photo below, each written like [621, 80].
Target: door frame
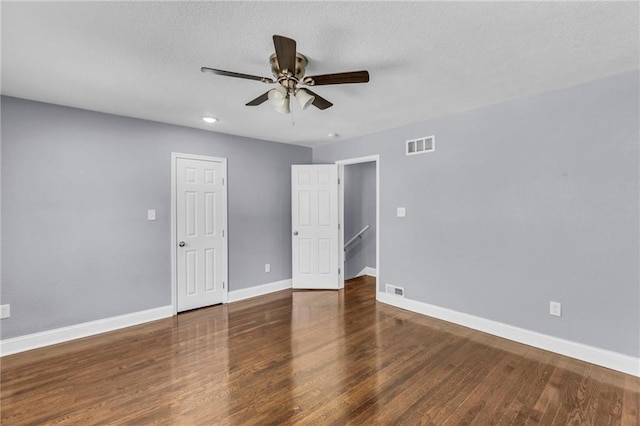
[174, 225]
[341, 163]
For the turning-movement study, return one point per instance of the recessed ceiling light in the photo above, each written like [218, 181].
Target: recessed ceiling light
[332, 135]
[209, 119]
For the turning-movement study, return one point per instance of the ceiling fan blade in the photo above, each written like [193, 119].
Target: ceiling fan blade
[237, 74]
[319, 102]
[260, 99]
[339, 78]
[285, 52]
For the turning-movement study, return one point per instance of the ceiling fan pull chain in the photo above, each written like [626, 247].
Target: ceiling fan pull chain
[293, 123]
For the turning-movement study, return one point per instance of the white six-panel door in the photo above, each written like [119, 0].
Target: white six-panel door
[314, 220]
[200, 232]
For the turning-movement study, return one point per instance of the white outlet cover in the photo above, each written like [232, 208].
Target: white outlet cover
[151, 214]
[267, 267]
[401, 212]
[555, 309]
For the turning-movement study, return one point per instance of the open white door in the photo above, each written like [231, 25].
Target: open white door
[314, 219]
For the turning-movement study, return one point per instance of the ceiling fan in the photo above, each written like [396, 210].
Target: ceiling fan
[288, 67]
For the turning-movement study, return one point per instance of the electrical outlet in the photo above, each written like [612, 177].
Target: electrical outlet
[267, 267]
[555, 309]
[5, 311]
[151, 214]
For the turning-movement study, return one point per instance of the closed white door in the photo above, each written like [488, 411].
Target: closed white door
[314, 219]
[200, 233]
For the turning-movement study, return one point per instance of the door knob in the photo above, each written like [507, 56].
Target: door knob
[181, 244]
[295, 232]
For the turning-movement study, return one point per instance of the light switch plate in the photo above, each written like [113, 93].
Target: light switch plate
[5, 311]
[151, 214]
[401, 212]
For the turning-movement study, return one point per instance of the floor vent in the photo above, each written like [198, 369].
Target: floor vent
[421, 145]
[394, 289]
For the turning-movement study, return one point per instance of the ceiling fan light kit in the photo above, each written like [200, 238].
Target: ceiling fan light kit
[304, 98]
[284, 106]
[288, 68]
[277, 96]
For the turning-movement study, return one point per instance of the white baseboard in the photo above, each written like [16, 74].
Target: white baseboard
[259, 290]
[64, 334]
[59, 335]
[605, 358]
[367, 271]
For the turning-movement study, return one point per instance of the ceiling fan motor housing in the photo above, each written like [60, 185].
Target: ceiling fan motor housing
[287, 78]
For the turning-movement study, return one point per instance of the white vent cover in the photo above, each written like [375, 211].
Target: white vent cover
[394, 289]
[421, 145]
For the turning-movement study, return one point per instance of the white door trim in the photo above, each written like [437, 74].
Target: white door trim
[174, 241]
[341, 164]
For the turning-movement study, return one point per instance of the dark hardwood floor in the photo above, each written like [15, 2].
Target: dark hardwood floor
[317, 358]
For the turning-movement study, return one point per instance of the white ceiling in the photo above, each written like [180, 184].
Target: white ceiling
[426, 59]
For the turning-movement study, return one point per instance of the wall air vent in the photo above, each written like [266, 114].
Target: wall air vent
[394, 289]
[421, 145]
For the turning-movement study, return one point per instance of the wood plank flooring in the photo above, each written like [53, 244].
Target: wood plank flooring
[310, 358]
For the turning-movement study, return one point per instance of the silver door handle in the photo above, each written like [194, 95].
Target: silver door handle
[181, 244]
[295, 232]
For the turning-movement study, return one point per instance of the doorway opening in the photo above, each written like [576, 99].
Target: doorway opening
[359, 210]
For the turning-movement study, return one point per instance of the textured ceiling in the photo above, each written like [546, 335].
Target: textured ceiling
[426, 59]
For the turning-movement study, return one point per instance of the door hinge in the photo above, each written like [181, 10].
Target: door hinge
[338, 226]
[223, 233]
[222, 284]
[338, 181]
[222, 181]
[338, 271]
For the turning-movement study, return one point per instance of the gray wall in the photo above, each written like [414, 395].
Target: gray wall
[522, 202]
[76, 186]
[359, 211]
